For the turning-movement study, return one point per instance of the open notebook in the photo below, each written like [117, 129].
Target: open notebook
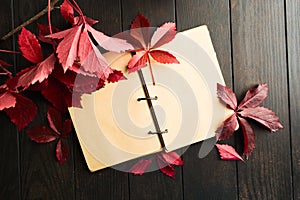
[113, 127]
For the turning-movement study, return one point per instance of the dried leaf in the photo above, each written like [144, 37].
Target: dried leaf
[228, 152]
[264, 116]
[249, 137]
[227, 96]
[30, 46]
[227, 128]
[42, 134]
[140, 167]
[23, 113]
[254, 97]
[7, 100]
[163, 57]
[62, 152]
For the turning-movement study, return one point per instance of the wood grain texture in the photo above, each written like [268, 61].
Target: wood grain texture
[42, 176]
[205, 175]
[107, 183]
[259, 56]
[9, 144]
[293, 40]
[153, 185]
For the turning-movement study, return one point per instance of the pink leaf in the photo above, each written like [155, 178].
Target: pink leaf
[23, 113]
[139, 29]
[30, 46]
[227, 128]
[54, 120]
[140, 167]
[163, 35]
[172, 158]
[37, 73]
[163, 57]
[249, 137]
[62, 152]
[264, 116]
[254, 97]
[67, 11]
[7, 100]
[227, 96]
[228, 152]
[138, 61]
[165, 168]
[115, 76]
[41, 134]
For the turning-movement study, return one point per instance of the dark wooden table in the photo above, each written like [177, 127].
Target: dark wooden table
[256, 42]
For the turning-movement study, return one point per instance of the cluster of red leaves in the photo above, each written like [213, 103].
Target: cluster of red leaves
[249, 108]
[145, 45]
[165, 161]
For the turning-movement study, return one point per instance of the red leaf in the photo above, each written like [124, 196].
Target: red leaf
[45, 30]
[228, 152]
[30, 46]
[37, 73]
[68, 47]
[139, 29]
[140, 167]
[67, 11]
[264, 116]
[164, 34]
[165, 168]
[62, 152]
[249, 137]
[138, 61]
[172, 158]
[163, 57]
[254, 97]
[227, 128]
[115, 76]
[66, 127]
[23, 113]
[42, 134]
[227, 96]
[7, 100]
[55, 120]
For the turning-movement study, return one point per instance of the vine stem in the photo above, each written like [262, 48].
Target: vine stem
[32, 19]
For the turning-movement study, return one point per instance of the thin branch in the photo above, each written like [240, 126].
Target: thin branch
[32, 19]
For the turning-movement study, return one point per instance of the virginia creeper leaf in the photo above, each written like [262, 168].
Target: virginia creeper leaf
[254, 97]
[139, 29]
[163, 57]
[249, 137]
[264, 116]
[140, 167]
[7, 100]
[164, 167]
[30, 46]
[54, 120]
[163, 35]
[227, 128]
[67, 11]
[172, 158]
[62, 152]
[228, 152]
[137, 61]
[45, 30]
[42, 134]
[227, 96]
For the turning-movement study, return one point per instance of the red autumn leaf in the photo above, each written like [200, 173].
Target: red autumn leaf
[163, 57]
[37, 73]
[54, 119]
[227, 128]
[228, 152]
[140, 167]
[163, 35]
[66, 127]
[67, 11]
[138, 61]
[172, 158]
[254, 97]
[23, 113]
[45, 30]
[249, 137]
[7, 100]
[62, 152]
[115, 76]
[164, 167]
[139, 29]
[30, 46]
[227, 96]
[264, 116]
[42, 134]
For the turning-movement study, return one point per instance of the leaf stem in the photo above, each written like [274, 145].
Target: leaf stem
[32, 19]
[49, 16]
[150, 67]
[8, 51]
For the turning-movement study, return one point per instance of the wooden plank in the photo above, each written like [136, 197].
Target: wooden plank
[9, 144]
[142, 187]
[259, 56]
[207, 175]
[107, 183]
[293, 39]
[42, 176]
